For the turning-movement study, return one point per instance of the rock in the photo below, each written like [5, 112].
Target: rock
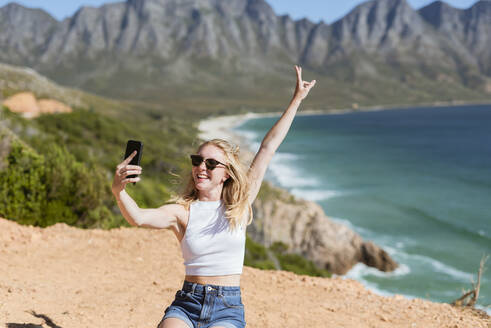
[307, 231]
[374, 256]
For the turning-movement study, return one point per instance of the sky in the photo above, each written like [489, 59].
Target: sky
[315, 10]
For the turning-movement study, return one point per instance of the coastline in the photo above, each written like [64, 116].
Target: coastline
[222, 127]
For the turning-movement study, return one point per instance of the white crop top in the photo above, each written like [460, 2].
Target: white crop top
[209, 247]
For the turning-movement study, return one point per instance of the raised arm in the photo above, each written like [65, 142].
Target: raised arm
[275, 136]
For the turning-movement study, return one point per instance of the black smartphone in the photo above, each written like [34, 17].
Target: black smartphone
[131, 146]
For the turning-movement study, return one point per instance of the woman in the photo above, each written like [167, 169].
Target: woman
[210, 220]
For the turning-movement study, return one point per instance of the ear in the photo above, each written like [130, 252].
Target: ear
[225, 177]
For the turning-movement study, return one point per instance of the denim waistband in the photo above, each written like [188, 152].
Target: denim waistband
[195, 288]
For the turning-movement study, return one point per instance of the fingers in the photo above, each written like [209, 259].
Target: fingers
[130, 172]
[309, 85]
[128, 167]
[298, 69]
[125, 171]
[129, 180]
[133, 167]
[129, 158]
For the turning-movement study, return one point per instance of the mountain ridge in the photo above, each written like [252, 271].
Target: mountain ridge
[210, 48]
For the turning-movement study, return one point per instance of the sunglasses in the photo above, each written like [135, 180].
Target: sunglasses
[210, 163]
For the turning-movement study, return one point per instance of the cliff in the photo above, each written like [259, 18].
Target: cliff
[306, 230]
[67, 277]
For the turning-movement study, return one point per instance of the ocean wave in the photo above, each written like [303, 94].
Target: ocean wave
[359, 230]
[405, 259]
[248, 135]
[361, 270]
[285, 172]
[457, 228]
[283, 167]
[314, 194]
[252, 138]
[486, 309]
[438, 266]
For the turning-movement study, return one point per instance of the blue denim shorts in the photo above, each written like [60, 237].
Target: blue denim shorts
[202, 306]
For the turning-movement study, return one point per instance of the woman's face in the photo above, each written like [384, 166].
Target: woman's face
[205, 179]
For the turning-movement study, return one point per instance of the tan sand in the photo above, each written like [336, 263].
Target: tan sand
[26, 104]
[126, 278]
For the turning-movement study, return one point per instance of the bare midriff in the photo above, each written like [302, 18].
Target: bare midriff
[226, 280]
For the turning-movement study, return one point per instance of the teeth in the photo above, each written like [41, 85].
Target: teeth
[202, 176]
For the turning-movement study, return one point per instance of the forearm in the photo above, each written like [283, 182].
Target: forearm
[278, 132]
[128, 207]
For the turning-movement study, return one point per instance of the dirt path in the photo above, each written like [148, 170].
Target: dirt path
[67, 277]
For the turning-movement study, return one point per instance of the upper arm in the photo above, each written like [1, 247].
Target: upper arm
[164, 217]
[257, 170]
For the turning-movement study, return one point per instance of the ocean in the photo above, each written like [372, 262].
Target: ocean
[416, 181]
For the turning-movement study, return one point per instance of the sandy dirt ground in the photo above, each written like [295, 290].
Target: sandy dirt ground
[67, 277]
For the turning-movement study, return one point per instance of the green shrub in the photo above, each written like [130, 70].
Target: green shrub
[77, 154]
[43, 189]
[296, 263]
[22, 185]
[256, 255]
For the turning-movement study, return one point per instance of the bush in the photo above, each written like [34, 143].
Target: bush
[296, 263]
[256, 255]
[42, 190]
[69, 161]
[22, 186]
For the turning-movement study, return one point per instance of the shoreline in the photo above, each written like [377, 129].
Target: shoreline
[223, 126]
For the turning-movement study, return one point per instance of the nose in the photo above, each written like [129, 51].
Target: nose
[202, 166]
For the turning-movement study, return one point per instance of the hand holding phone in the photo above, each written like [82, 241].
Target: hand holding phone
[129, 168]
[131, 146]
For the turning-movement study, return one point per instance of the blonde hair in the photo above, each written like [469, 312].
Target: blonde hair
[235, 192]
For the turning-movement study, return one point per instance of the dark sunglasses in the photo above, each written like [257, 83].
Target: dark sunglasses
[210, 163]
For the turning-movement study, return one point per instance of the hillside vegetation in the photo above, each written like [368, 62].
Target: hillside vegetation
[59, 168]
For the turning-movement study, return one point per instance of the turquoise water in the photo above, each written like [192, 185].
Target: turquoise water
[415, 181]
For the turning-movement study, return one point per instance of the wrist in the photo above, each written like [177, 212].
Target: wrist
[296, 100]
[117, 193]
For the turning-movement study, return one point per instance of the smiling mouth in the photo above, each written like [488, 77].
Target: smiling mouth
[202, 177]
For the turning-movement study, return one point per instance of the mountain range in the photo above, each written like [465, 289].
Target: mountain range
[383, 51]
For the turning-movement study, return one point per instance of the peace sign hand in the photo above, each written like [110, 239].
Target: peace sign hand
[122, 171]
[303, 87]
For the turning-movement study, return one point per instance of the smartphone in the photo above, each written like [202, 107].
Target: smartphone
[131, 146]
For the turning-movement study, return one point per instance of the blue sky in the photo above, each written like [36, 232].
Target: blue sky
[315, 10]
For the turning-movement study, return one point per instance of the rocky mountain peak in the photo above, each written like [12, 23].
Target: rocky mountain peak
[15, 13]
[439, 13]
[260, 10]
[377, 25]
[191, 40]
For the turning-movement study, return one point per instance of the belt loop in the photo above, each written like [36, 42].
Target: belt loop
[193, 288]
[220, 290]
